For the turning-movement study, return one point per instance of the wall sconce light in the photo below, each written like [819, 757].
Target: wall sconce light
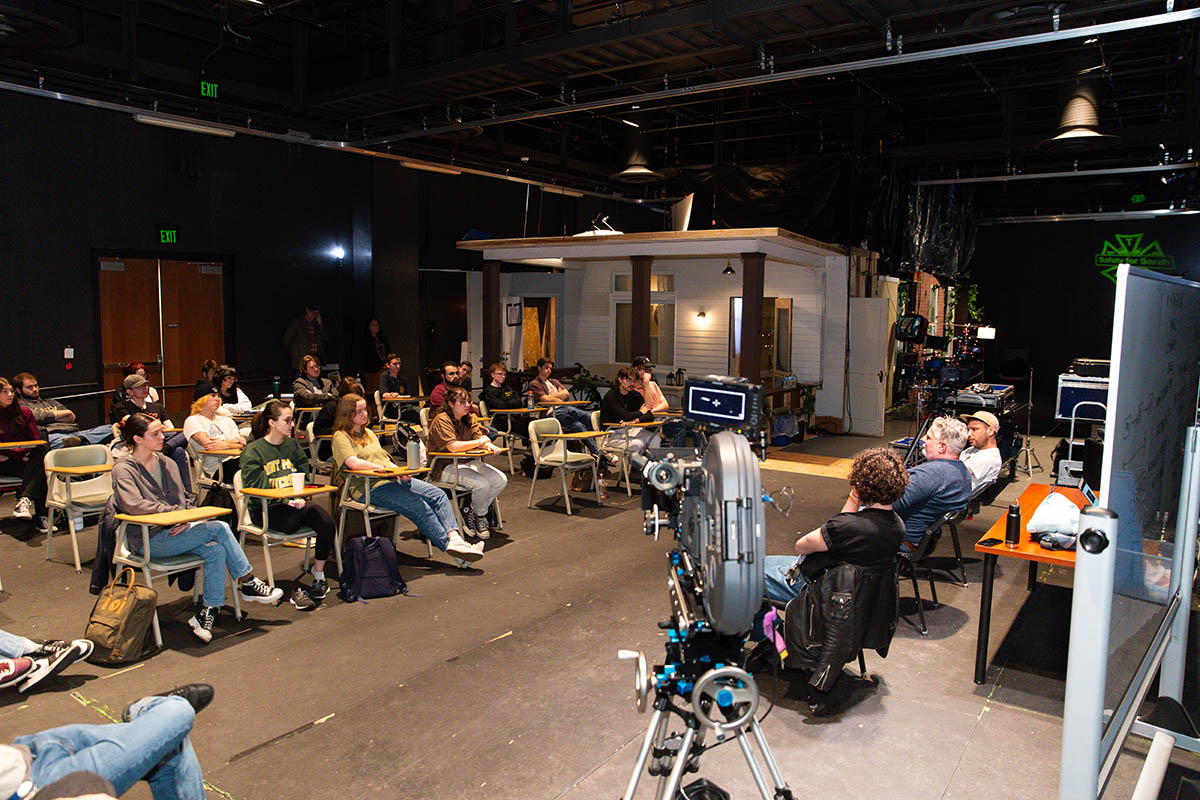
[728, 268]
[337, 252]
[701, 317]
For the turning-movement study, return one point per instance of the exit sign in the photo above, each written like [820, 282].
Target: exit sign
[208, 89]
[1138, 198]
[167, 236]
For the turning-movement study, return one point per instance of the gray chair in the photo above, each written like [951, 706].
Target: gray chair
[76, 495]
[245, 524]
[909, 560]
[553, 453]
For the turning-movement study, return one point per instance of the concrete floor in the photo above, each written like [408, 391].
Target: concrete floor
[502, 681]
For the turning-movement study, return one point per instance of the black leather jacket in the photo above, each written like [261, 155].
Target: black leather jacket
[845, 609]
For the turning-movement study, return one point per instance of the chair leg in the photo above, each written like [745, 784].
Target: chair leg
[562, 477]
[337, 539]
[267, 557]
[366, 515]
[75, 543]
[596, 484]
[862, 665]
[511, 469]
[958, 558]
[932, 588]
[920, 605]
[50, 530]
[625, 468]
[533, 484]
[158, 640]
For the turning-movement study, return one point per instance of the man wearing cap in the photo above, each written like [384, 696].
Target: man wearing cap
[674, 432]
[983, 457]
[306, 336]
[136, 400]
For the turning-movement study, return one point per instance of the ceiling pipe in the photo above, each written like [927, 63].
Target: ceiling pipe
[1158, 213]
[1077, 173]
[219, 128]
[1169, 18]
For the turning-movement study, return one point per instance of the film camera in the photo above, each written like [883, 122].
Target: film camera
[714, 503]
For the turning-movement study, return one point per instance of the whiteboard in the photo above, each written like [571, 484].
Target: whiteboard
[1152, 396]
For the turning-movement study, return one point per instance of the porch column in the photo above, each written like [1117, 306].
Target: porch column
[491, 314]
[640, 312]
[753, 272]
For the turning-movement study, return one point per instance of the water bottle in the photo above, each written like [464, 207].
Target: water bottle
[603, 484]
[413, 454]
[1012, 528]
[529, 401]
[275, 388]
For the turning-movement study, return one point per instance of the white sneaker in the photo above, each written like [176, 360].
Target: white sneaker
[24, 509]
[256, 590]
[467, 552]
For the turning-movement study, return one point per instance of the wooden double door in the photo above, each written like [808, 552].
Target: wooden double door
[168, 314]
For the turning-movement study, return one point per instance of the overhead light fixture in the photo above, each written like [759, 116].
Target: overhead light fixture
[431, 168]
[561, 190]
[631, 123]
[182, 125]
[1092, 40]
[635, 106]
[338, 252]
[728, 268]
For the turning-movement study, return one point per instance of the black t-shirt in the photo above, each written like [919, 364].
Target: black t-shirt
[124, 407]
[617, 407]
[867, 538]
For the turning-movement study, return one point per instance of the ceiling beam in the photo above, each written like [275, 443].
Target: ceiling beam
[659, 22]
[867, 11]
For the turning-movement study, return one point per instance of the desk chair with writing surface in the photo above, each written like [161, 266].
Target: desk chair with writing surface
[317, 466]
[382, 409]
[165, 565]
[269, 536]
[84, 491]
[909, 560]
[553, 453]
[507, 438]
[370, 513]
[613, 445]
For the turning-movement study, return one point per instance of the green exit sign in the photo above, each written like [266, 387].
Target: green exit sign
[167, 236]
[1138, 198]
[208, 89]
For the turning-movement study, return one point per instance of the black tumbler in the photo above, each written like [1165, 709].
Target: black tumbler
[1012, 528]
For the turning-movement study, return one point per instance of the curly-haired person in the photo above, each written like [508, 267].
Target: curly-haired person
[867, 532]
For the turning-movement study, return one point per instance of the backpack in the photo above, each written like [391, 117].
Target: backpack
[527, 468]
[370, 569]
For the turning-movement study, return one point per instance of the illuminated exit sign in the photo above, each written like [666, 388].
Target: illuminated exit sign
[208, 89]
[167, 236]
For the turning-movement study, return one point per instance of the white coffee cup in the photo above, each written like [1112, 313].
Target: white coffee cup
[297, 481]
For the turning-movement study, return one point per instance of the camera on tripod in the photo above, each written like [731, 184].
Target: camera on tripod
[713, 500]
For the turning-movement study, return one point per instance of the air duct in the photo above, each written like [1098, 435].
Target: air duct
[1079, 115]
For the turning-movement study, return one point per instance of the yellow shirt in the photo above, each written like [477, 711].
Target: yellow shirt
[367, 448]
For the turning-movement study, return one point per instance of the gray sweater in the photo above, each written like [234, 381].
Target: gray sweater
[312, 394]
[136, 492]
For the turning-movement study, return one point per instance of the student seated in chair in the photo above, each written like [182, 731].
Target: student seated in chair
[942, 483]
[26, 463]
[355, 446]
[310, 390]
[624, 405]
[269, 462]
[135, 397]
[323, 424]
[146, 482]
[454, 429]
[547, 389]
[866, 532]
[498, 395]
[233, 399]
[207, 430]
[983, 457]
[391, 386]
[56, 421]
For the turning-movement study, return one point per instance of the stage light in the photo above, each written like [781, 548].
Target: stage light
[985, 332]
[337, 252]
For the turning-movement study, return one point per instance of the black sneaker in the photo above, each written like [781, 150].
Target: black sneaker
[301, 599]
[202, 623]
[319, 589]
[198, 695]
[481, 526]
[256, 590]
[53, 657]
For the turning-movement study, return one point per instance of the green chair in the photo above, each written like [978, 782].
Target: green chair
[245, 524]
[553, 453]
[76, 495]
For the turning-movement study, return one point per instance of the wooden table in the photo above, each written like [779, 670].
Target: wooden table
[574, 435]
[287, 493]
[549, 403]
[619, 425]
[232, 451]
[169, 519]
[22, 444]
[381, 474]
[1027, 550]
[467, 453]
[92, 469]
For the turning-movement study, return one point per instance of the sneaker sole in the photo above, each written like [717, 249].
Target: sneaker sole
[201, 634]
[18, 678]
[269, 600]
[303, 606]
[483, 534]
[66, 659]
[465, 554]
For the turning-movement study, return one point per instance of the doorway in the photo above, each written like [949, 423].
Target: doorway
[538, 329]
[168, 314]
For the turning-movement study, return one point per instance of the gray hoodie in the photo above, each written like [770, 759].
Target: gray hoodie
[136, 492]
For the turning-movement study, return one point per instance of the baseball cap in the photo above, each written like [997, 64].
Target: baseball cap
[986, 417]
[643, 361]
[203, 388]
[134, 381]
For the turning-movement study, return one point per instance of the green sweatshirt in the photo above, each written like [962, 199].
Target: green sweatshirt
[268, 466]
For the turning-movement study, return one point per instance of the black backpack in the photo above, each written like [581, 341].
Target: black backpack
[370, 570]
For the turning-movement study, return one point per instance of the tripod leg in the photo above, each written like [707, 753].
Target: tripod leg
[671, 787]
[752, 763]
[781, 787]
[651, 734]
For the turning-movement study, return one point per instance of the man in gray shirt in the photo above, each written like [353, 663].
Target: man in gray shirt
[54, 420]
[942, 483]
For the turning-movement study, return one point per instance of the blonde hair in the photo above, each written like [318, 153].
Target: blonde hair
[198, 403]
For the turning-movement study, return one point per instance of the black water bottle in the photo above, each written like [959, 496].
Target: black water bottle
[1012, 529]
[275, 388]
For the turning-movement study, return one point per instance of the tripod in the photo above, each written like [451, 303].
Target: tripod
[729, 689]
[1031, 460]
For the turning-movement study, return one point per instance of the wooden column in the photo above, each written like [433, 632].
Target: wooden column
[640, 313]
[491, 314]
[753, 272]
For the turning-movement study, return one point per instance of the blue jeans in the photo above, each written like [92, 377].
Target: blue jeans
[13, 646]
[574, 420]
[775, 575]
[423, 503]
[153, 745]
[175, 448]
[211, 540]
[101, 434]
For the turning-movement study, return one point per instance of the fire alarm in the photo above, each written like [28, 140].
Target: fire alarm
[67, 366]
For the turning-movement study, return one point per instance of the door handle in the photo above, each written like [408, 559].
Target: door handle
[881, 376]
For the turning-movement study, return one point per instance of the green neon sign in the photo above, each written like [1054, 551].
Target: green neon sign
[167, 236]
[208, 89]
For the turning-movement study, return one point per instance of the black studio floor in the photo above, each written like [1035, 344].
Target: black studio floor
[502, 681]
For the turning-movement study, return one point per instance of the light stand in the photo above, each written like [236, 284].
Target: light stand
[1031, 460]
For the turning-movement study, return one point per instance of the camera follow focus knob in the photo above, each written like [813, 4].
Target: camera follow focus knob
[1093, 540]
[725, 688]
